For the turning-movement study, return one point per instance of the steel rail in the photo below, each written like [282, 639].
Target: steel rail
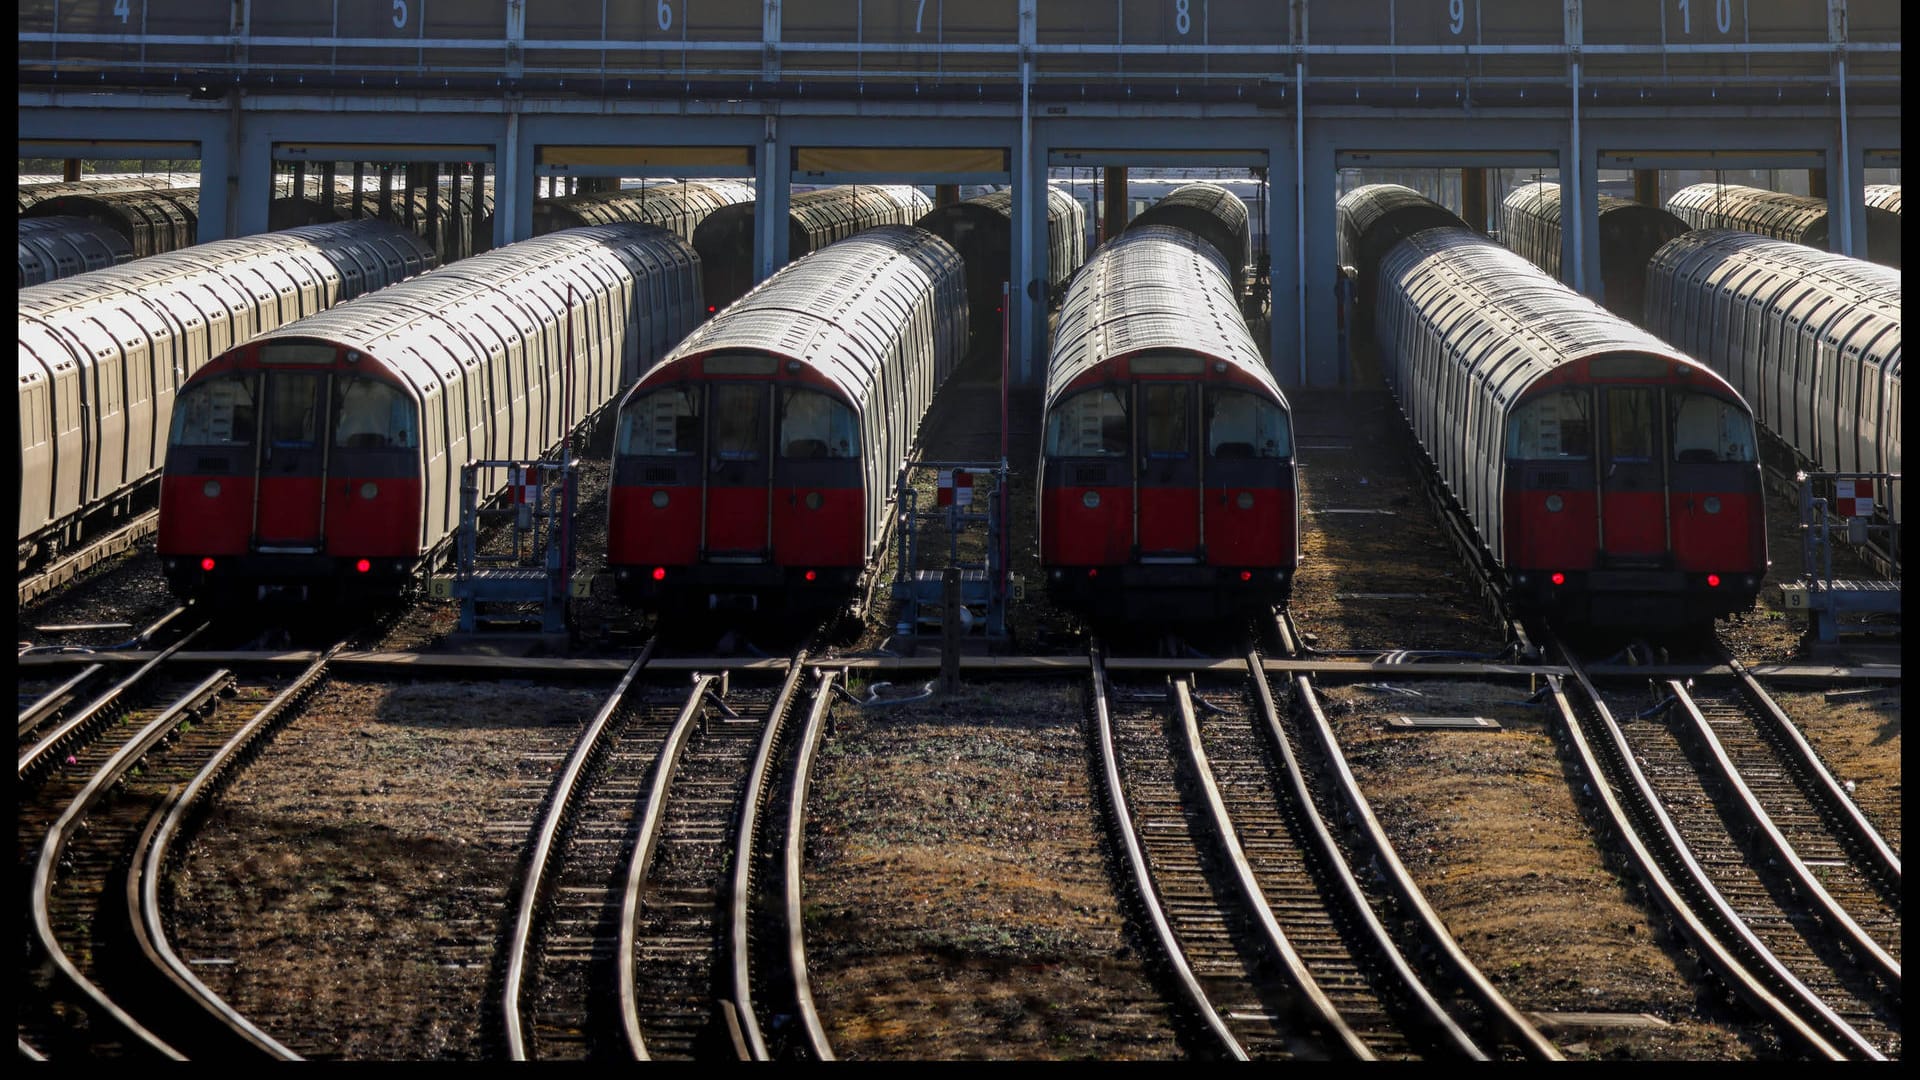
[539, 865]
[55, 843]
[1141, 876]
[98, 550]
[38, 755]
[1858, 940]
[654, 805]
[1826, 788]
[172, 816]
[740, 890]
[50, 702]
[791, 858]
[1740, 978]
[1443, 1027]
[1317, 1007]
[1499, 1010]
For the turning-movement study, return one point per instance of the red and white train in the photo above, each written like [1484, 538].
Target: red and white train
[325, 458]
[1166, 485]
[754, 465]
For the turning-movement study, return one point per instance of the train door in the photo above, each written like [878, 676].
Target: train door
[1167, 511]
[1633, 516]
[293, 458]
[738, 501]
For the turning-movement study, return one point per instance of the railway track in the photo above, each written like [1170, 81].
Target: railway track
[1701, 818]
[40, 576]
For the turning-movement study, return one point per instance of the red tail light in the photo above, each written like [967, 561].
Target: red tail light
[1559, 578]
[659, 573]
[206, 563]
[1246, 575]
[710, 309]
[1093, 571]
[1713, 581]
[363, 565]
[810, 575]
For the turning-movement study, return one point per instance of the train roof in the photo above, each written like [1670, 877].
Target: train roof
[833, 310]
[1884, 197]
[665, 204]
[423, 328]
[1374, 217]
[1510, 312]
[1775, 213]
[1208, 209]
[817, 209]
[1542, 198]
[999, 204]
[1153, 288]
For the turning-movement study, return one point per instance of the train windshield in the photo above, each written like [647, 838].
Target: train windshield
[372, 415]
[1169, 419]
[662, 423]
[219, 411]
[814, 425]
[739, 421]
[1092, 423]
[1552, 427]
[1243, 425]
[1707, 428]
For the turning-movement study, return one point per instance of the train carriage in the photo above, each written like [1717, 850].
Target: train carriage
[1167, 485]
[754, 466]
[677, 206]
[814, 220]
[56, 247]
[1801, 219]
[1811, 338]
[981, 230]
[153, 221]
[1630, 233]
[1610, 478]
[103, 353]
[1212, 213]
[1372, 219]
[325, 458]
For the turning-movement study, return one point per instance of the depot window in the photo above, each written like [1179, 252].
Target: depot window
[374, 416]
[1242, 425]
[1552, 427]
[220, 411]
[1092, 423]
[814, 425]
[1709, 429]
[661, 423]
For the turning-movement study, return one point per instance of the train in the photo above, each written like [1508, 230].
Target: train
[754, 465]
[29, 194]
[1372, 219]
[153, 221]
[57, 247]
[455, 227]
[1609, 478]
[1801, 219]
[1630, 233]
[981, 230]
[103, 354]
[678, 206]
[1811, 338]
[324, 459]
[1884, 197]
[1212, 213]
[1166, 484]
[814, 220]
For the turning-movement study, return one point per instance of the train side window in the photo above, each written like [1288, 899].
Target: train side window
[1554, 427]
[739, 421]
[217, 412]
[1092, 423]
[1709, 429]
[374, 416]
[814, 425]
[1169, 419]
[1242, 425]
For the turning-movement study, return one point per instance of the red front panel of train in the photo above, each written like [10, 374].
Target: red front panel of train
[640, 533]
[373, 516]
[195, 523]
[736, 520]
[1261, 534]
[1169, 520]
[1727, 542]
[1542, 539]
[289, 511]
[1635, 524]
[1075, 534]
[833, 533]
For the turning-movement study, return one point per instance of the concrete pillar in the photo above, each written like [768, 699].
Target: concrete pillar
[70, 169]
[1646, 187]
[1473, 198]
[1115, 215]
[1817, 183]
[945, 195]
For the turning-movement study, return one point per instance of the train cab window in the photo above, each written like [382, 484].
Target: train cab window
[217, 412]
[293, 410]
[739, 421]
[1092, 423]
[1553, 427]
[374, 416]
[662, 423]
[1241, 425]
[814, 425]
[1630, 428]
[1709, 429]
[1169, 419]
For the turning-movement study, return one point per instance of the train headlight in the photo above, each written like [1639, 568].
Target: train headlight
[813, 500]
[1244, 501]
[211, 489]
[661, 498]
[1712, 505]
[369, 489]
[1555, 503]
[1090, 500]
